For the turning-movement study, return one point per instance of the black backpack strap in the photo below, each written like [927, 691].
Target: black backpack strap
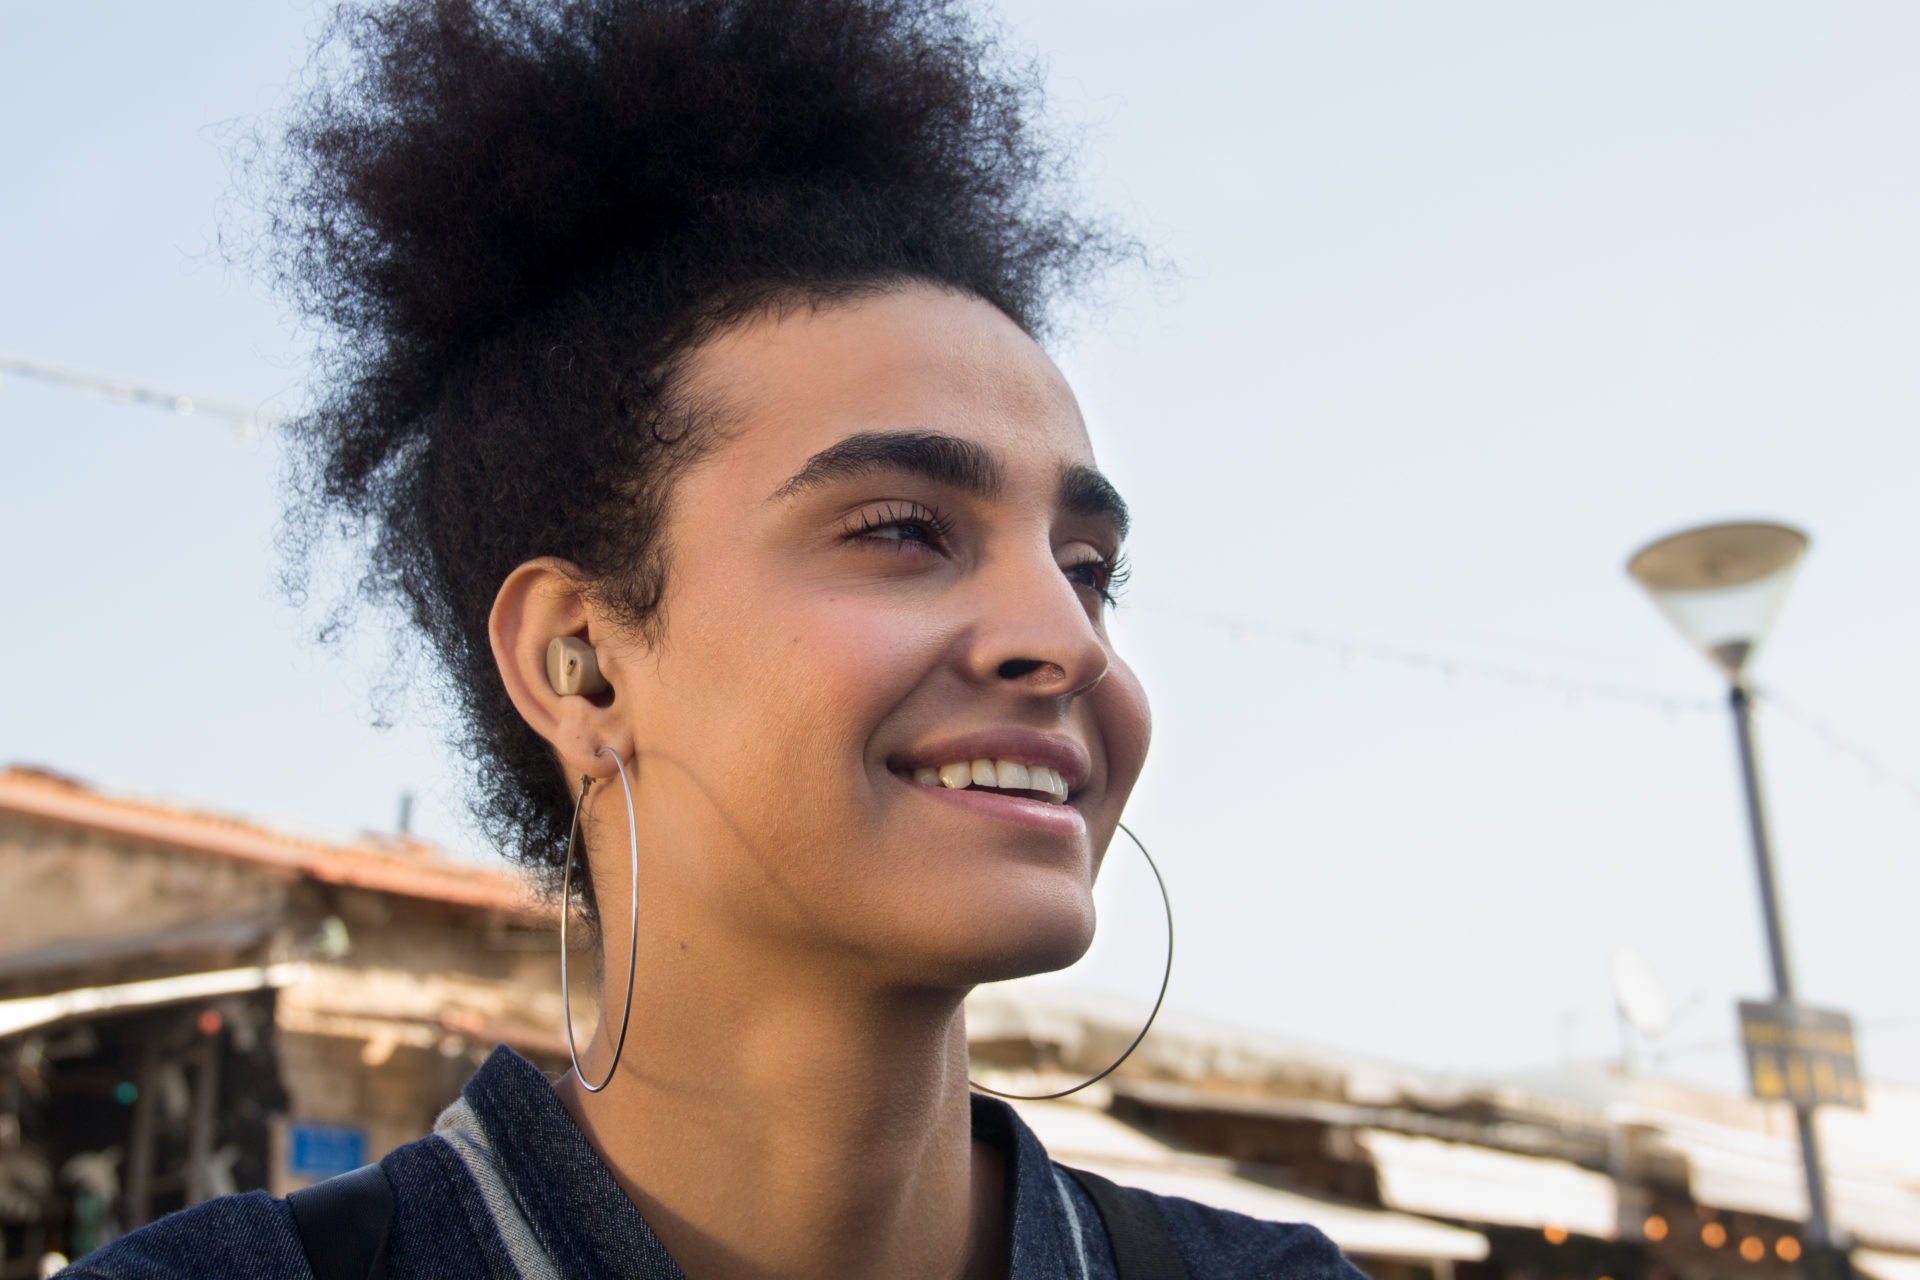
[343, 1224]
[1142, 1247]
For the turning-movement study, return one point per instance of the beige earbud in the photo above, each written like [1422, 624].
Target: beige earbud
[572, 667]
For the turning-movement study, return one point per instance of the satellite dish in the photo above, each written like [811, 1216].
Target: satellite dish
[1638, 993]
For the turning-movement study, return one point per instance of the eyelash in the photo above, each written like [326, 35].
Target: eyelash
[1109, 583]
[866, 524]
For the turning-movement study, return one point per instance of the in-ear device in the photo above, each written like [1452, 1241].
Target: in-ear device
[572, 667]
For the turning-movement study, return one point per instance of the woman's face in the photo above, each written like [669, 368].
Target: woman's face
[889, 565]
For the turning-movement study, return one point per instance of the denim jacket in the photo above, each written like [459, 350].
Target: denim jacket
[506, 1188]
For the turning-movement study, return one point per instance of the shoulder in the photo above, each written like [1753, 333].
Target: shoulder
[253, 1236]
[244, 1237]
[1220, 1242]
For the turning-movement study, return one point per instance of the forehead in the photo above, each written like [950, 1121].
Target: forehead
[915, 359]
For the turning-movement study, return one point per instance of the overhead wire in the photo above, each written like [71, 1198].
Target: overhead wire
[1453, 668]
[246, 419]
[1450, 667]
[1875, 765]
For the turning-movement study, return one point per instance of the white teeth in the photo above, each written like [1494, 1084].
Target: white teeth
[1003, 775]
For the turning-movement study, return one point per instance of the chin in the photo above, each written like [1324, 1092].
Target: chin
[1002, 939]
[1043, 956]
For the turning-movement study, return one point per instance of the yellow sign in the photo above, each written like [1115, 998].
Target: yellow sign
[1801, 1055]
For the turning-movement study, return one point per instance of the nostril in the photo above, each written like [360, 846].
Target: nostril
[1015, 668]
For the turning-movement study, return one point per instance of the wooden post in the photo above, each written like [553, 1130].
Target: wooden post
[139, 1193]
[201, 1123]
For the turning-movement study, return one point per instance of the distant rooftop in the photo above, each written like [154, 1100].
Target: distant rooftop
[384, 864]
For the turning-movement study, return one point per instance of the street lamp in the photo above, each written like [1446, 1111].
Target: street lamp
[1722, 585]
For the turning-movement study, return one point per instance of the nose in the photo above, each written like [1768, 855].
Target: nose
[1033, 632]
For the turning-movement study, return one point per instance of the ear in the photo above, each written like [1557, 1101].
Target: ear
[540, 602]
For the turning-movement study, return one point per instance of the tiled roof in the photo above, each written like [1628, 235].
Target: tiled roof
[406, 868]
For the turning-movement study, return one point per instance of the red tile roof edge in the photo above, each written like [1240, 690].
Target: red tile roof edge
[33, 793]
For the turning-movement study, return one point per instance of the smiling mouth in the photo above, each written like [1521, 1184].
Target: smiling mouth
[1003, 777]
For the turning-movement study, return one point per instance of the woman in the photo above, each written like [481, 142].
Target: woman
[691, 343]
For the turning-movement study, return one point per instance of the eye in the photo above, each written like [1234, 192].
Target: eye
[899, 525]
[1105, 576]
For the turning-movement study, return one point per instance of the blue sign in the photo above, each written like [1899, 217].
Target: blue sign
[322, 1150]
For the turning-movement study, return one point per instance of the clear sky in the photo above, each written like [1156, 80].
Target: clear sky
[1469, 301]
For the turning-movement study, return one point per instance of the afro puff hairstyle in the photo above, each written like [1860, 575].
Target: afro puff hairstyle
[512, 218]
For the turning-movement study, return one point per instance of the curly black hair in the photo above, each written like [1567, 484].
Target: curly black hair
[513, 218]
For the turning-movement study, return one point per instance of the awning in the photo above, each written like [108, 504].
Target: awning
[1886, 1266]
[1761, 1173]
[35, 1011]
[1480, 1184]
[1093, 1140]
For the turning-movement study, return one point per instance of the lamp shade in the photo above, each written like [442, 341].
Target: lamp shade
[1722, 585]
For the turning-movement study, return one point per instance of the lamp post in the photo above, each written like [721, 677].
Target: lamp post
[1722, 585]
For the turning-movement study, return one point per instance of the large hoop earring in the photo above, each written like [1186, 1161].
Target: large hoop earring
[1158, 1000]
[633, 922]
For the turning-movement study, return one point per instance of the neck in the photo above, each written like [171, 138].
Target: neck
[818, 1133]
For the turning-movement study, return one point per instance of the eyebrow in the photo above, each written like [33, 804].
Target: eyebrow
[1085, 492]
[948, 460]
[943, 459]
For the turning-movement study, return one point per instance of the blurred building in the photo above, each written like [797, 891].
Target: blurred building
[1579, 1174]
[191, 1005]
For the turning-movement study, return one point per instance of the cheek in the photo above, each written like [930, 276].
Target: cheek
[846, 665]
[1126, 728]
[797, 676]
[865, 655]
